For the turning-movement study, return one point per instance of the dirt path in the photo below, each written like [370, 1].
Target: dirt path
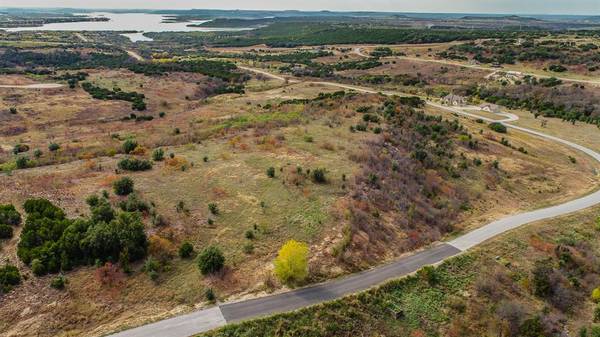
[135, 55]
[81, 37]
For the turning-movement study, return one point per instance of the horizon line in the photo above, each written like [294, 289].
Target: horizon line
[298, 10]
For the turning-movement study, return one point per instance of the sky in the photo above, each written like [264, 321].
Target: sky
[584, 7]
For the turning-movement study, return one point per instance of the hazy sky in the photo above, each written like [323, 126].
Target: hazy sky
[585, 7]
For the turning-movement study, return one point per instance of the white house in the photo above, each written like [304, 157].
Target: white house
[454, 100]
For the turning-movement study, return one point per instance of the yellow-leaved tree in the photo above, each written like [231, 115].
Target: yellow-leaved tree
[291, 265]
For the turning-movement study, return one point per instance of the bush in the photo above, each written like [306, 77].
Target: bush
[20, 148]
[52, 147]
[134, 164]
[13, 110]
[58, 282]
[158, 155]
[498, 127]
[37, 267]
[123, 186]
[596, 295]
[213, 208]
[210, 295]
[134, 204]
[9, 215]
[9, 278]
[249, 234]
[211, 260]
[542, 286]
[248, 248]
[271, 172]
[129, 145]
[186, 250]
[318, 176]
[557, 68]
[429, 274]
[291, 264]
[22, 163]
[6, 231]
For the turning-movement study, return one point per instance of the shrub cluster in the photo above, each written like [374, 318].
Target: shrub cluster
[50, 242]
[134, 164]
[9, 217]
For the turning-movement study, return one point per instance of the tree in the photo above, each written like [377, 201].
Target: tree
[9, 215]
[211, 260]
[9, 277]
[123, 186]
[498, 127]
[186, 250]
[291, 264]
[6, 231]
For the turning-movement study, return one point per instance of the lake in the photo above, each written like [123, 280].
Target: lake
[139, 22]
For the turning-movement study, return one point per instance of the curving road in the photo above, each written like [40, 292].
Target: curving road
[33, 86]
[358, 51]
[208, 319]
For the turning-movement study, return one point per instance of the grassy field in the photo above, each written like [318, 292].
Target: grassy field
[218, 149]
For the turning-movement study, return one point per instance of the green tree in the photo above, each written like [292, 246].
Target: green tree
[186, 250]
[9, 278]
[123, 186]
[211, 260]
[291, 264]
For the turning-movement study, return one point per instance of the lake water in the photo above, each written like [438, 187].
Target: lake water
[141, 23]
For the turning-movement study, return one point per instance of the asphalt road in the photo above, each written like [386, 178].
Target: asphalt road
[207, 319]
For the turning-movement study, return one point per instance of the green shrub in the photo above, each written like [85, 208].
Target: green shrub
[9, 215]
[271, 172]
[22, 162]
[249, 234]
[129, 145]
[37, 267]
[134, 164]
[318, 176]
[186, 250]
[9, 278]
[58, 282]
[498, 127]
[13, 110]
[37, 153]
[211, 260]
[123, 186]
[134, 204]
[6, 231]
[52, 147]
[20, 148]
[213, 208]
[158, 155]
[210, 295]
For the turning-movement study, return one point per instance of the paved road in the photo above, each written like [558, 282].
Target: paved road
[34, 86]
[207, 319]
